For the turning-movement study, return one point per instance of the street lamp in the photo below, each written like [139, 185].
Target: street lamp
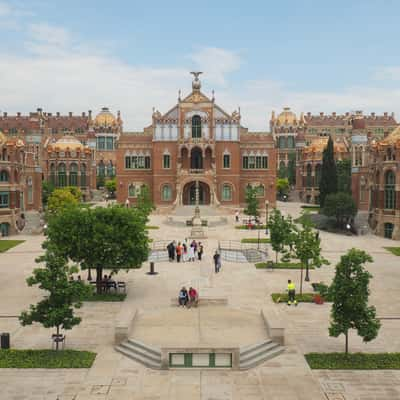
[266, 216]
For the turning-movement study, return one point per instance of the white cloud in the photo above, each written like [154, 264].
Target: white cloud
[5, 9]
[216, 63]
[59, 75]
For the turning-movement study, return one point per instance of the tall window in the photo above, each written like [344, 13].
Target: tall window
[255, 162]
[4, 199]
[101, 171]
[83, 175]
[109, 143]
[226, 192]
[166, 161]
[196, 126]
[3, 176]
[73, 174]
[101, 143]
[282, 142]
[390, 194]
[388, 230]
[166, 193]
[227, 161]
[30, 190]
[62, 177]
[290, 142]
[53, 174]
[110, 169]
[260, 191]
[137, 162]
[134, 190]
[309, 182]
[318, 171]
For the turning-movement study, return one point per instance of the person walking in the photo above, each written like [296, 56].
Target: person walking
[173, 250]
[200, 251]
[178, 252]
[291, 289]
[191, 252]
[184, 251]
[237, 216]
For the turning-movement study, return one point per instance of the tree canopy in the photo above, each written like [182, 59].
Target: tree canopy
[56, 309]
[111, 186]
[343, 168]
[144, 201]
[282, 187]
[62, 198]
[252, 206]
[350, 293]
[341, 206]
[111, 238]
[328, 182]
[280, 229]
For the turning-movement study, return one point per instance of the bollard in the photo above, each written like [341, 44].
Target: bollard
[5, 341]
[152, 272]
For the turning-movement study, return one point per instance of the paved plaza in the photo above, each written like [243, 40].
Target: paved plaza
[287, 376]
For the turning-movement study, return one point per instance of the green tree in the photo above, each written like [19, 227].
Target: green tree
[341, 206]
[291, 170]
[111, 186]
[63, 198]
[282, 171]
[100, 181]
[280, 229]
[350, 293]
[47, 190]
[251, 202]
[112, 238]
[328, 182]
[307, 249]
[282, 186]
[56, 309]
[144, 201]
[343, 168]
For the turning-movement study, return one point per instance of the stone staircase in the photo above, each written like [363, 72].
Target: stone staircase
[256, 354]
[142, 353]
[32, 223]
[255, 256]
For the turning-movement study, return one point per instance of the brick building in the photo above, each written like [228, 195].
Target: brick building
[20, 184]
[196, 140]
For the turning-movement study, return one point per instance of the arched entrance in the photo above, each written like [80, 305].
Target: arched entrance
[189, 194]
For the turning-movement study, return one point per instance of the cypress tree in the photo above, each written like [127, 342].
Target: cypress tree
[328, 182]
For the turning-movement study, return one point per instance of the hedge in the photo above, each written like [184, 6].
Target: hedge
[46, 359]
[9, 244]
[253, 227]
[255, 240]
[353, 360]
[283, 297]
[152, 227]
[106, 297]
[393, 250]
[282, 265]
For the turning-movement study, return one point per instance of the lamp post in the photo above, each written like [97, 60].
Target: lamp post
[266, 216]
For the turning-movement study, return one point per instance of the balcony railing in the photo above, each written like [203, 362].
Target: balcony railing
[196, 170]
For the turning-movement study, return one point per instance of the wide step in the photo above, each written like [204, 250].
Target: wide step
[257, 354]
[141, 353]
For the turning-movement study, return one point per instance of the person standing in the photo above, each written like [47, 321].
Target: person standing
[237, 216]
[127, 203]
[217, 264]
[173, 249]
[291, 288]
[200, 251]
[184, 251]
[191, 252]
[178, 252]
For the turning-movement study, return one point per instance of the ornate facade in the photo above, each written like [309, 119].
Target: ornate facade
[20, 184]
[196, 140]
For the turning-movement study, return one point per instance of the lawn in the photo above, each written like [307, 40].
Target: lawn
[254, 227]
[255, 240]
[393, 250]
[46, 359]
[111, 296]
[282, 265]
[152, 227]
[9, 244]
[353, 360]
[283, 297]
[311, 207]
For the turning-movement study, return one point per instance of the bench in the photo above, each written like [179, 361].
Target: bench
[205, 301]
[274, 325]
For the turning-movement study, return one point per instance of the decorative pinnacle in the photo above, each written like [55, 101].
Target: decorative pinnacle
[196, 84]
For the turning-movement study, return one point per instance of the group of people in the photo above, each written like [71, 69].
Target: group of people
[188, 298]
[184, 251]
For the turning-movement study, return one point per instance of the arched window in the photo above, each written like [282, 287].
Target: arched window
[260, 190]
[388, 230]
[226, 192]
[318, 170]
[196, 158]
[390, 194]
[290, 142]
[282, 142]
[83, 175]
[132, 190]
[101, 169]
[309, 176]
[110, 169]
[196, 126]
[4, 176]
[73, 174]
[166, 193]
[53, 174]
[62, 177]
[30, 190]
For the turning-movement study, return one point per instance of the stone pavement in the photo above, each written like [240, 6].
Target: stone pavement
[285, 377]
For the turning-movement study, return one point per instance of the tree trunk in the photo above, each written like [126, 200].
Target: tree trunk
[347, 342]
[57, 338]
[99, 278]
[89, 275]
[276, 258]
[301, 279]
[307, 278]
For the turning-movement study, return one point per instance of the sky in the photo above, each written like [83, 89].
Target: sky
[257, 55]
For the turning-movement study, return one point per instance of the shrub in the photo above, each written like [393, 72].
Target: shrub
[283, 297]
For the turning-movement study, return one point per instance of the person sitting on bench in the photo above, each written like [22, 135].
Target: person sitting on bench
[183, 297]
[193, 297]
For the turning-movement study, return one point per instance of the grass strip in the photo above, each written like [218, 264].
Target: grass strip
[106, 297]
[282, 265]
[12, 358]
[254, 227]
[152, 227]
[9, 244]
[393, 250]
[255, 240]
[353, 360]
[283, 297]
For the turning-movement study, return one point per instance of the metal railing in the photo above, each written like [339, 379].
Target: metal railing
[235, 251]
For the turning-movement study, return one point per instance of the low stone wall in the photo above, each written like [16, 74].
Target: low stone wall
[124, 324]
[205, 301]
[274, 325]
